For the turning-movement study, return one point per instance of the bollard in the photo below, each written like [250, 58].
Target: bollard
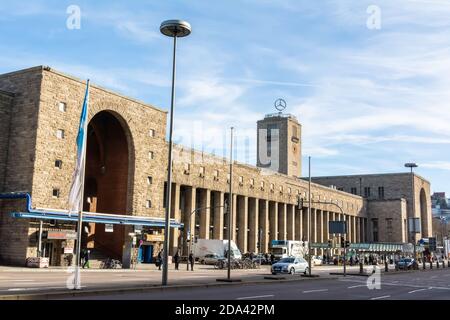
[437, 264]
[361, 268]
[431, 264]
[386, 268]
[424, 264]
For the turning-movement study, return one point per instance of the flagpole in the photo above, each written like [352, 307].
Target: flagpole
[77, 284]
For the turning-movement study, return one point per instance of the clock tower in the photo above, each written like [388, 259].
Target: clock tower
[279, 143]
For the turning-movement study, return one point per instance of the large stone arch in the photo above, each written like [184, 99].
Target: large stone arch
[109, 182]
[128, 126]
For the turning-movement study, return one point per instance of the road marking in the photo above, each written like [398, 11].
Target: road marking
[255, 297]
[360, 285]
[382, 297]
[318, 290]
[418, 290]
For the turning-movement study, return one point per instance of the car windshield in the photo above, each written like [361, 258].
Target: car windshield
[287, 260]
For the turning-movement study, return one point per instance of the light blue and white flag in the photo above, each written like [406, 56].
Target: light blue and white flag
[76, 190]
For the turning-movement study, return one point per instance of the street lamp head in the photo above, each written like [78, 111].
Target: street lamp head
[411, 165]
[175, 28]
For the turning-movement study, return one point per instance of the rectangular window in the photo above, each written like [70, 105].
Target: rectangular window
[55, 193]
[252, 182]
[353, 191]
[381, 192]
[367, 192]
[151, 132]
[150, 155]
[62, 106]
[216, 173]
[149, 180]
[58, 164]
[148, 204]
[60, 134]
[201, 171]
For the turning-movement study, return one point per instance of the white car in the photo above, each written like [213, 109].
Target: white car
[317, 261]
[290, 265]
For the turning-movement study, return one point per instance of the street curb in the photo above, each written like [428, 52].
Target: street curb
[118, 291]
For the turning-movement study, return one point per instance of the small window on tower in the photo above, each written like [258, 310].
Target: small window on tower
[150, 155]
[55, 193]
[58, 164]
[149, 180]
[62, 106]
[151, 132]
[60, 134]
[148, 204]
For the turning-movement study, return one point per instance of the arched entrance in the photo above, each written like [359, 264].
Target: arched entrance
[107, 180]
[423, 213]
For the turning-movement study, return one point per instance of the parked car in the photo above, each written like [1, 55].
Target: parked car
[290, 265]
[316, 260]
[262, 258]
[405, 263]
[211, 258]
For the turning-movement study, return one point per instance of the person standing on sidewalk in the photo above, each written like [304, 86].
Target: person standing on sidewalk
[191, 261]
[159, 260]
[176, 259]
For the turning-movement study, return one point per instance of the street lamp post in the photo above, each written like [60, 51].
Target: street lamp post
[413, 165]
[175, 29]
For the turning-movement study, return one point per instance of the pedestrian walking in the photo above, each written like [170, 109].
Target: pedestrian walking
[191, 261]
[159, 260]
[272, 258]
[86, 259]
[176, 259]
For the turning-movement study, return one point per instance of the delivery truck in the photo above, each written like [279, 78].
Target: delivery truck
[202, 247]
[288, 248]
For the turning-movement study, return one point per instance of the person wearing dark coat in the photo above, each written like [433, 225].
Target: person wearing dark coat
[176, 259]
[191, 261]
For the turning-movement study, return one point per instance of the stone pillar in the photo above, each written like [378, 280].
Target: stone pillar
[273, 220]
[305, 223]
[298, 224]
[189, 219]
[205, 202]
[354, 229]
[314, 225]
[219, 201]
[282, 221]
[234, 218]
[253, 213]
[242, 223]
[358, 229]
[175, 214]
[291, 222]
[264, 224]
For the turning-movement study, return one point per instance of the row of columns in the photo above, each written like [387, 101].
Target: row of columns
[254, 220]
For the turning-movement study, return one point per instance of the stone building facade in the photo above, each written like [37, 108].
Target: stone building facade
[126, 171]
[389, 197]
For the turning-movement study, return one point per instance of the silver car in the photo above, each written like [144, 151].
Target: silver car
[290, 265]
[211, 259]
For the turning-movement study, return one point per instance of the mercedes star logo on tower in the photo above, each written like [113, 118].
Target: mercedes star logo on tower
[280, 104]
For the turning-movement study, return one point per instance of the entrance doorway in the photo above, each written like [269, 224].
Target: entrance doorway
[107, 181]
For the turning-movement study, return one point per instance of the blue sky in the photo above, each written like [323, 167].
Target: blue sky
[369, 99]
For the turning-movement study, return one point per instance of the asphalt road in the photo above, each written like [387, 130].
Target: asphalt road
[429, 285]
[14, 281]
